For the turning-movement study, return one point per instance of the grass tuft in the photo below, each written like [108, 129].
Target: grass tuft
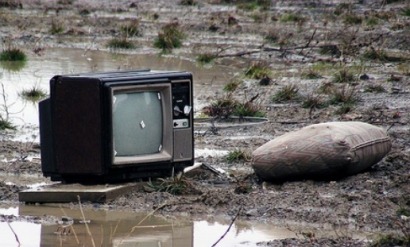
[56, 27]
[176, 185]
[258, 70]
[226, 106]
[120, 43]
[33, 94]
[188, 2]
[248, 110]
[311, 74]
[346, 95]
[292, 17]
[6, 124]
[287, 93]
[314, 101]
[131, 29]
[169, 37]
[232, 85]
[343, 75]
[237, 155]
[406, 11]
[372, 54]
[205, 58]
[13, 55]
[253, 4]
[352, 19]
[374, 89]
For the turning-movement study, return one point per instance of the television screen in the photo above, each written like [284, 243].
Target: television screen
[137, 123]
[141, 123]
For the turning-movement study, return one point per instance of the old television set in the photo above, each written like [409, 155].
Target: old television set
[117, 126]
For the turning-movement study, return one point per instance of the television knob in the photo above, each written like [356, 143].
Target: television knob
[177, 111]
[187, 110]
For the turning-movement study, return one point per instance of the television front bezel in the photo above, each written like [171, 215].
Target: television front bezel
[166, 152]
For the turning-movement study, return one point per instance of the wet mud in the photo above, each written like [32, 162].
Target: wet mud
[375, 202]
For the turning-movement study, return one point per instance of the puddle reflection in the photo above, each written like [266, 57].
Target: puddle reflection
[108, 228]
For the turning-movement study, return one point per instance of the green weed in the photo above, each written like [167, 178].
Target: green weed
[227, 106]
[406, 11]
[13, 65]
[130, 29]
[13, 55]
[259, 17]
[205, 58]
[393, 1]
[237, 155]
[372, 54]
[232, 85]
[311, 74]
[176, 185]
[11, 4]
[258, 70]
[120, 43]
[253, 4]
[330, 50]
[314, 101]
[292, 17]
[403, 210]
[56, 27]
[169, 37]
[342, 76]
[372, 21]
[287, 93]
[66, 2]
[346, 95]
[188, 2]
[272, 37]
[33, 94]
[344, 108]
[342, 8]
[222, 107]
[6, 124]
[352, 19]
[248, 110]
[375, 89]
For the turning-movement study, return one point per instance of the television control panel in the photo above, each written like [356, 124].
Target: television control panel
[181, 104]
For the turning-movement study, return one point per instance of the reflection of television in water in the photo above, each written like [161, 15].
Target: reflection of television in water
[117, 126]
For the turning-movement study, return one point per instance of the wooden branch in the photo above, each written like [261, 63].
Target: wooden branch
[15, 234]
[229, 228]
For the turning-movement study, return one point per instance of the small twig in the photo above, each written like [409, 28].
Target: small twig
[310, 41]
[71, 226]
[391, 126]
[15, 234]
[89, 48]
[229, 228]
[85, 221]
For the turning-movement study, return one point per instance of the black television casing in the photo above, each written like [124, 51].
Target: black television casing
[76, 133]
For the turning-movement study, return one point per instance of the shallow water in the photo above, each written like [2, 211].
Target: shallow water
[129, 229]
[38, 71]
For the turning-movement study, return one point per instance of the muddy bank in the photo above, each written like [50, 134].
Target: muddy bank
[374, 202]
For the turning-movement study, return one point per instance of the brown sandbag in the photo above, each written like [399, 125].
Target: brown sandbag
[321, 151]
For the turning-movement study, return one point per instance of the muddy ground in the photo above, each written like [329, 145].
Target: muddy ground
[376, 201]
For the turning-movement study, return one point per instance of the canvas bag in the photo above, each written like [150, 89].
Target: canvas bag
[321, 151]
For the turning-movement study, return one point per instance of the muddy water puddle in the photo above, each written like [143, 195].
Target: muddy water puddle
[108, 228]
[38, 70]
